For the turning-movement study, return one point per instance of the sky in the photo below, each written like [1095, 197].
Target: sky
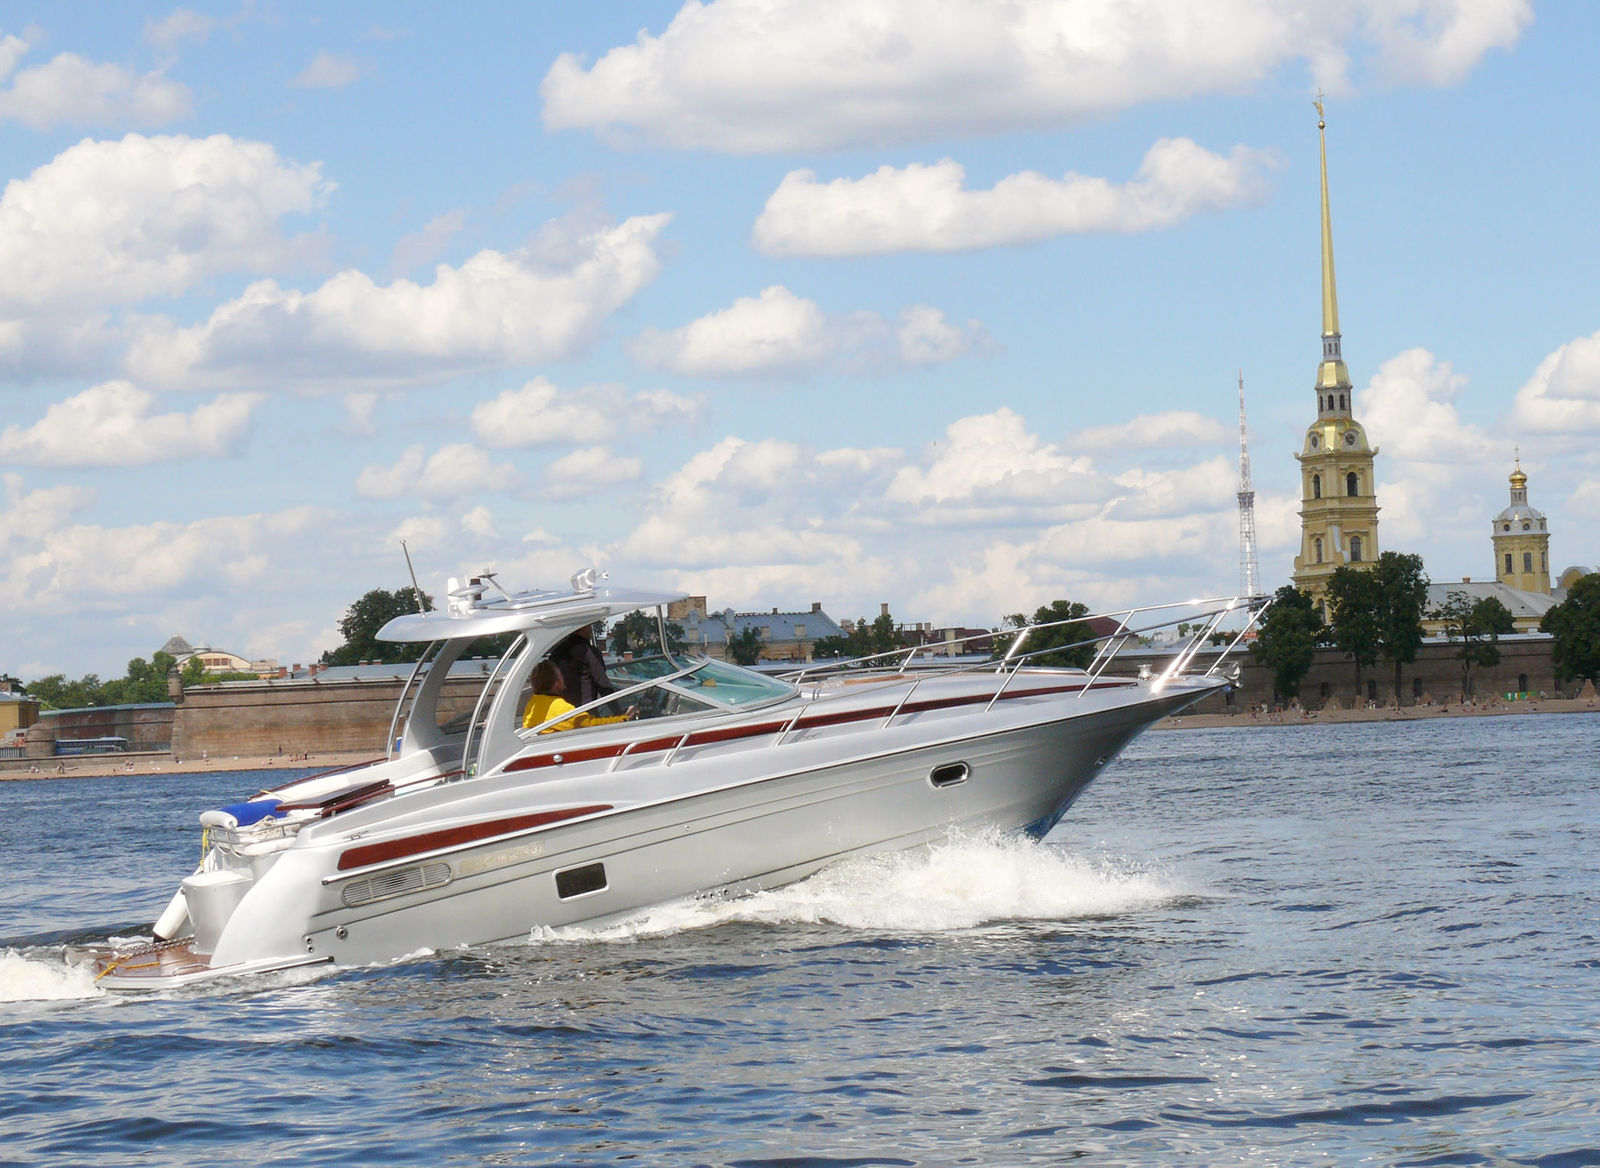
[939, 305]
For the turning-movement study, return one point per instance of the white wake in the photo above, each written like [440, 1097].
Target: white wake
[954, 886]
[31, 979]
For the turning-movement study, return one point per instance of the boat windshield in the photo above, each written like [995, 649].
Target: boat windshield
[713, 683]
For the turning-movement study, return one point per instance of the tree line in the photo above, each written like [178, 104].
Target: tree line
[145, 681]
[1377, 614]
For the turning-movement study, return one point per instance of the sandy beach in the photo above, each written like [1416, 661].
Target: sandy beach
[84, 766]
[1296, 717]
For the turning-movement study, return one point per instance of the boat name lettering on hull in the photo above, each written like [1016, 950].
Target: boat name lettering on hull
[472, 865]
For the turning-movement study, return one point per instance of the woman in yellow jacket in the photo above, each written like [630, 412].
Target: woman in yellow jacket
[548, 703]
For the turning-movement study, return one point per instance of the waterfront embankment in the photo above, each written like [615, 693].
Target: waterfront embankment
[1298, 717]
[153, 763]
[85, 766]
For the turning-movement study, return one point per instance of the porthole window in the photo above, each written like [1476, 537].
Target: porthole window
[949, 774]
[581, 881]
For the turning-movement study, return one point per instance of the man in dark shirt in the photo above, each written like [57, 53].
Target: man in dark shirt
[582, 667]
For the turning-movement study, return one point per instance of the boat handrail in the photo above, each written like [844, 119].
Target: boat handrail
[1110, 645]
[490, 687]
[1009, 664]
[418, 671]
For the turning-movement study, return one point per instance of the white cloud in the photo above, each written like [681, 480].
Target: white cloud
[1409, 412]
[1563, 395]
[760, 505]
[990, 465]
[479, 522]
[420, 532]
[426, 246]
[779, 335]
[925, 337]
[178, 26]
[122, 221]
[28, 515]
[359, 408]
[61, 567]
[113, 425]
[70, 90]
[763, 76]
[329, 71]
[1207, 486]
[772, 335]
[495, 309]
[990, 519]
[588, 471]
[1176, 428]
[926, 208]
[456, 469]
[1441, 41]
[543, 414]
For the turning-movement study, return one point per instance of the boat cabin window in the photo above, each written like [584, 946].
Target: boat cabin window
[713, 683]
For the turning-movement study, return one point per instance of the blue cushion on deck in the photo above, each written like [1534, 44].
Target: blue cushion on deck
[252, 812]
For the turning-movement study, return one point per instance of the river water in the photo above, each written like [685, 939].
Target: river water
[1299, 945]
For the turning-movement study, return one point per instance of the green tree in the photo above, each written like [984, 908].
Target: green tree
[885, 636]
[360, 624]
[744, 647]
[1064, 637]
[1354, 599]
[1287, 639]
[1478, 625]
[636, 633]
[1575, 625]
[864, 638]
[1402, 601]
[825, 648]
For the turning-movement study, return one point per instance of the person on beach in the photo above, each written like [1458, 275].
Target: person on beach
[547, 702]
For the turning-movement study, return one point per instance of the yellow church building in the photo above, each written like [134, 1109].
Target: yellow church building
[1338, 484]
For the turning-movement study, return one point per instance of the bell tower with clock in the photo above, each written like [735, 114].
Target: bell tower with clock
[1338, 490]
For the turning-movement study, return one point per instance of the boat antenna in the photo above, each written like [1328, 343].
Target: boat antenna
[415, 587]
[1249, 563]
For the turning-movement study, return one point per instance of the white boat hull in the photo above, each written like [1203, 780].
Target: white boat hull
[460, 863]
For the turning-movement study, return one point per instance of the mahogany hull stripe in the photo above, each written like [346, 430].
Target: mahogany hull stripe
[757, 729]
[455, 836]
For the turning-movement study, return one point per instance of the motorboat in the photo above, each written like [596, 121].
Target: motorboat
[474, 829]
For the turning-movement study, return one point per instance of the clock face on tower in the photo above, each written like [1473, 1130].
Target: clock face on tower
[1313, 441]
[1349, 437]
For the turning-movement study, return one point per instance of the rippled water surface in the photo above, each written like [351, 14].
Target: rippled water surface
[1288, 945]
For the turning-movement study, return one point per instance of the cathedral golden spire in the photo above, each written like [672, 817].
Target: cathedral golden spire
[1332, 373]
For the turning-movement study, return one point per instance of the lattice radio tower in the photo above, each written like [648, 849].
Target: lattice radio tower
[1249, 566]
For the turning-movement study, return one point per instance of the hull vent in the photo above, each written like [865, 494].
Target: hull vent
[400, 882]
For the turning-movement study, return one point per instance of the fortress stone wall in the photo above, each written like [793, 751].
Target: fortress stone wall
[297, 717]
[1525, 667]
